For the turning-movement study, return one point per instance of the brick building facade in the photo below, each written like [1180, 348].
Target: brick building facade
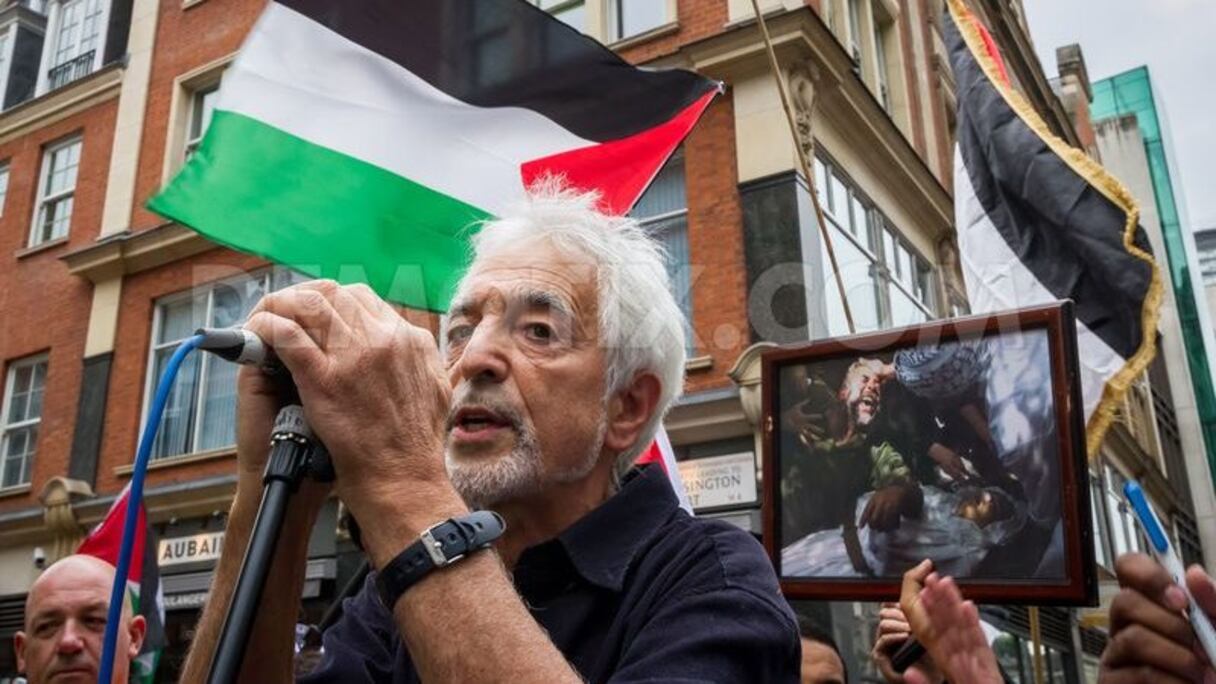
[87, 315]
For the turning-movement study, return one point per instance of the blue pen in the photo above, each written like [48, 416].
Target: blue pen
[1164, 552]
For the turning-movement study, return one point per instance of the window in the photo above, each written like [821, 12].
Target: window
[880, 57]
[22, 412]
[633, 17]
[202, 104]
[571, 12]
[5, 42]
[663, 212]
[854, 42]
[887, 282]
[1097, 511]
[56, 188]
[75, 51]
[3, 186]
[1125, 537]
[200, 413]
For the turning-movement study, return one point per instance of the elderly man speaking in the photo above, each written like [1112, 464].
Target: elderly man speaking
[564, 348]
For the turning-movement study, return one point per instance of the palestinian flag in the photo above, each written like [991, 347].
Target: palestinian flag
[143, 579]
[363, 140]
[1038, 221]
[660, 452]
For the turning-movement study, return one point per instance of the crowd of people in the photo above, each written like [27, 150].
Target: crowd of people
[564, 348]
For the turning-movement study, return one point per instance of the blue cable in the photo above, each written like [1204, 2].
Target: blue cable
[134, 499]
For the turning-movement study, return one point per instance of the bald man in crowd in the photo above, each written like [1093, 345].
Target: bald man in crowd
[65, 624]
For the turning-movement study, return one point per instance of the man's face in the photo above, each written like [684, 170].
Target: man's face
[527, 373]
[820, 664]
[65, 624]
[862, 391]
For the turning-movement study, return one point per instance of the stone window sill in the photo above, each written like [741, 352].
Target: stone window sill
[41, 247]
[15, 490]
[184, 459]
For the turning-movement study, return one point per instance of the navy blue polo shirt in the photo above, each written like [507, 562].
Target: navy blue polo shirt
[636, 590]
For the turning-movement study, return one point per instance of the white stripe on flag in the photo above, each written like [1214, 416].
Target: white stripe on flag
[997, 281]
[672, 468]
[306, 80]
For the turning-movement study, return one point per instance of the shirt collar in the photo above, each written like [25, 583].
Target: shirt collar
[603, 544]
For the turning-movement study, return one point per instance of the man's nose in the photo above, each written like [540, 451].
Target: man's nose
[484, 356]
[71, 641]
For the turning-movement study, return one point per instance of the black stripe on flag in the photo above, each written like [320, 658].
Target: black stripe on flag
[1063, 230]
[508, 53]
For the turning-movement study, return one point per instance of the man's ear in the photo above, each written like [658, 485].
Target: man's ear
[630, 409]
[137, 628]
[19, 647]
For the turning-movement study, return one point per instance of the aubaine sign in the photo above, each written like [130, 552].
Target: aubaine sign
[199, 547]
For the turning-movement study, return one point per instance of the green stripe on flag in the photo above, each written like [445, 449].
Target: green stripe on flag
[254, 188]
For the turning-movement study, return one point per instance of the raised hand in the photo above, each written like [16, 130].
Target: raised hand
[948, 627]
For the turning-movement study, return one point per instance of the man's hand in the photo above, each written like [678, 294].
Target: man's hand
[888, 504]
[893, 631]
[948, 627]
[1150, 638]
[376, 394]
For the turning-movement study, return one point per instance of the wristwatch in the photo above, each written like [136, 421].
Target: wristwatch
[439, 546]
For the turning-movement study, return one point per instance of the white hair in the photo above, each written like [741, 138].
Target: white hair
[641, 328]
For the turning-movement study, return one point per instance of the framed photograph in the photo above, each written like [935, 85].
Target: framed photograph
[961, 441]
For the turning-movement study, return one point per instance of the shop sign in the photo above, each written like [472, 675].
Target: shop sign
[193, 599]
[728, 480]
[199, 547]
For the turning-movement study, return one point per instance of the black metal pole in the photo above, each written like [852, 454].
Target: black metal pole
[292, 454]
[230, 651]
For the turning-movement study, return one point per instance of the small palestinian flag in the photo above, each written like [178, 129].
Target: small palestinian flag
[362, 140]
[143, 579]
[660, 452]
[1038, 221]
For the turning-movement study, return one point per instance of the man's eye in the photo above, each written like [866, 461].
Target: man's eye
[459, 334]
[539, 332]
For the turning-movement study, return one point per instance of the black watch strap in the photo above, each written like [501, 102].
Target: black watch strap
[437, 547]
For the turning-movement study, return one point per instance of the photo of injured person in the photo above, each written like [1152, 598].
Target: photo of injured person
[946, 451]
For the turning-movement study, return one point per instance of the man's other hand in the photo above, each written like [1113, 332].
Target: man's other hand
[892, 633]
[1150, 637]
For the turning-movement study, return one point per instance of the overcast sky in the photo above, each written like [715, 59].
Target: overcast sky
[1177, 39]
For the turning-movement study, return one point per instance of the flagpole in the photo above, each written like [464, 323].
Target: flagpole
[806, 167]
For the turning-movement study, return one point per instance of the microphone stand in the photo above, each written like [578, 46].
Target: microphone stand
[294, 454]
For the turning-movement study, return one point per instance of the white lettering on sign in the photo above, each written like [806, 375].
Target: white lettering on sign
[199, 547]
[720, 480]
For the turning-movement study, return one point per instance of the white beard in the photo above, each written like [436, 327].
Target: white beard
[519, 474]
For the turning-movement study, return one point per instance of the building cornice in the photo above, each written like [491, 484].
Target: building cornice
[131, 252]
[800, 35]
[55, 106]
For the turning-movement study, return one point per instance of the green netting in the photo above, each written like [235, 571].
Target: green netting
[1131, 92]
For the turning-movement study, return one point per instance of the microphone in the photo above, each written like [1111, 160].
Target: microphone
[241, 346]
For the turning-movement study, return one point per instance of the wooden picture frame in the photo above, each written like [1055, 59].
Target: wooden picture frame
[957, 412]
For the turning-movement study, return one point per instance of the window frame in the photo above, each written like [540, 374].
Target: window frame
[267, 277]
[181, 111]
[561, 6]
[4, 173]
[649, 224]
[10, 375]
[50, 45]
[195, 97]
[42, 199]
[615, 17]
[9, 34]
[873, 244]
